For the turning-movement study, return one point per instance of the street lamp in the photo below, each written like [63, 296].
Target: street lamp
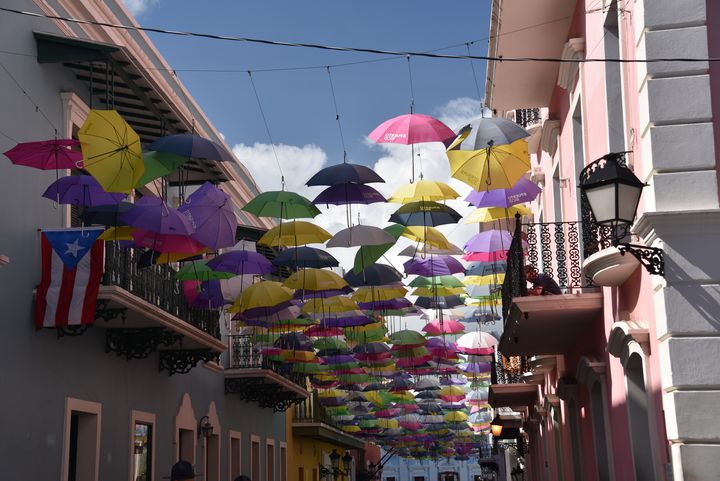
[613, 193]
[496, 426]
[206, 430]
[334, 468]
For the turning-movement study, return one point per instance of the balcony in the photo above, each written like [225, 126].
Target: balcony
[254, 378]
[311, 421]
[144, 310]
[527, 117]
[549, 324]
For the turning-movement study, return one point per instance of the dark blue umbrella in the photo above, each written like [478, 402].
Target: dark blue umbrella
[374, 275]
[190, 145]
[425, 213]
[306, 257]
[349, 193]
[106, 214]
[345, 172]
[440, 302]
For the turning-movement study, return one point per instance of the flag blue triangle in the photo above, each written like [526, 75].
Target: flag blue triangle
[71, 245]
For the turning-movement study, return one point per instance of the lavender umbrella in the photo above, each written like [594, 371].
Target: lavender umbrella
[154, 215]
[209, 211]
[349, 320]
[240, 263]
[81, 190]
[489, 241]
[433, 266]
[209, 297]
[348, 193]
[391, 304]
[524, 190]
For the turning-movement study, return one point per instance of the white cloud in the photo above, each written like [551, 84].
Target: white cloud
[137, 7]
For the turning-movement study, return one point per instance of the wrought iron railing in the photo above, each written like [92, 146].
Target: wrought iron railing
[311, 411]
[155, 284]
[509, 370]
[527, 117]
[244, 354]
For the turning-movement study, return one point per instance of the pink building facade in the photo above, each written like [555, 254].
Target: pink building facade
[621, 382]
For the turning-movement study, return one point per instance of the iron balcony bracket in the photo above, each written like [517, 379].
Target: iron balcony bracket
[107, 314]
[183, 361]
[139, 343]
[72, 331]
[652, 258]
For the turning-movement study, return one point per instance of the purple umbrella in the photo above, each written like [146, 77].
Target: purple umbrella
[349, 193]
[391, 304]
[154, 215]
[351, 320]
[210, 296]
[524, 190]
[433, 266]
[82, 190]
[209, 210]
[339, 359]
[475, 367]
[240, 263]
[489, 241]
[257, 312]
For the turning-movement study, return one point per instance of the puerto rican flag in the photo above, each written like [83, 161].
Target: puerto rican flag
[72, 267]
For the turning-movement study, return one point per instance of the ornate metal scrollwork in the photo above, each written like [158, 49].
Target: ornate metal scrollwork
[138, 343]
[266, 394]
[72, 331]
[652, 258]
[107, 314]
[183, 361]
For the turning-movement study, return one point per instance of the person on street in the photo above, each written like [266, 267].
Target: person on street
[543, 284]
[182, 471]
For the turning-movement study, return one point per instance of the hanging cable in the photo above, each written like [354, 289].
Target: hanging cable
[337, 114]
[472, 66]
[267, 129]
[37, 107]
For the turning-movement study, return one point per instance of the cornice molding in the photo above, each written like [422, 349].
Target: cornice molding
[574, 49]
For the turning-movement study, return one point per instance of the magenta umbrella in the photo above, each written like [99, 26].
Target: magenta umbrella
[448, 326]
[166, 242]
[47, 154]
[209, 211]
[411, 129]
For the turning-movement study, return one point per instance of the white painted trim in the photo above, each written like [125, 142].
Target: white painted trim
[80, 406]
[574, 49]
[145, 418]
[233, 473]
[185, 419]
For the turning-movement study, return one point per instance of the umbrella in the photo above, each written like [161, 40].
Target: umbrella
[328, 305]
[349, 193]
[485, 268]
[411, 129]
[407, 337]
[438, 291]
[106, 214]
[158, 164]
[344, 173]
[241, 262]
[296, 257]
[439, 302]
[433, 266]
[361, 235]
[478, 342]
[524, 190]
[209, 296]
[412, 251]
[121, 233]
[294, 233]
[153, 214]
[485, 131]
[281, 204]
[378, 293]
[262, 294]
[315, 280]
[368, 255]
[199, 270]
[111, 151]
[47, 154]
[192, 146]
[425, 213]
[375, 275]
[211, 215]
[489, 241]
[489, 214]
[428, 235]
[448, 326]
[80, 190]
[423, 190]
[160, 242]
[497, 167]
[486, 280]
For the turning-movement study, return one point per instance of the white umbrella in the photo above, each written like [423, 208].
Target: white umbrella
[361, 235]
[477, 342]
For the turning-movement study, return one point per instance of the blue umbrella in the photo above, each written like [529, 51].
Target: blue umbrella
[345, 172]
[374, 275]
[349, 193]
[306, 257]
[192, 146]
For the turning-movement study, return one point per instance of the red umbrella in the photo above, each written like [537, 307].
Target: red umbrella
[47, 154]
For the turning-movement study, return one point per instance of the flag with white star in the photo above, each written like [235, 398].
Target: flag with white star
[71, 245]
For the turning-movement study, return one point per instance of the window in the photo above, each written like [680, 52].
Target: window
[418, 478]
[557, 195]
[315, 475]
[254, 457]
[283, 462]
[81, 440]
[185, 429]
[613, 81]
[597, 412]
[269, 460]
[578, 151]
[186, 445]
[558, 444]
[637, 401]
[575, 439]
[235, 455]
[212, 458]
[301, 474]
[142, 450]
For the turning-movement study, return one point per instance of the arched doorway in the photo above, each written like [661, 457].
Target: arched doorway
[448, 476]
[640, 436]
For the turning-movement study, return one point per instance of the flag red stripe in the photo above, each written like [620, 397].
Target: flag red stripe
[96, 270]
[46, 275]
[65, 297]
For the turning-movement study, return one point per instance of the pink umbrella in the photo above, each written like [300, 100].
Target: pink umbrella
[166, 242]
[434, 328]
[47, 154]
[477, 342]
[411, 129]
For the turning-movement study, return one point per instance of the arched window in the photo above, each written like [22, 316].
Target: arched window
[591, 373]
[637, 402]
[575, 439]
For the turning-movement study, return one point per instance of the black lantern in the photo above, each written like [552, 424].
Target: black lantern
[206, 429]
[613, 193]
[347, 462]
[496, 426]
[335, 460]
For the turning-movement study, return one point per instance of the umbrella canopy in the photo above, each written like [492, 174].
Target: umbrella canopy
[425, 213]
[80, 190]
[282, 205]
[107, 214]
[411, 129]
[241, 262]
[433, 266]
[111, 151]
[210, 212]
[486, 268]
[448, 326]
[315, 280]
[375, 275]
[497, 167]
[262, 294]
[423, 190]
[153, 214]
[47, 154]
[344, 173]
[487, 131]
[192, 146]
[428, 235]
[361, 235]
[478, 342]
[407, 337]
[158, 164]
[199, 270]
[161, 242]
[489, 214]
[302, 257]
[412, 251]
[524, 190]
[439, 302]
[368, 255]
[327, 305]
[294, 233]
[349, 193]
[489, 241]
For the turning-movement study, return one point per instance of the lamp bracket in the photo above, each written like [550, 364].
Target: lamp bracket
[652, 258]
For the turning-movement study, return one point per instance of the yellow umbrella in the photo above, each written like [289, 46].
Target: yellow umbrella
[119, 233]
[350, 428]
[428, 235]
[489, 214]
[111, 151]
[295, 233]
[423, 190]
[388, 423]
[297, 356]
[378, 293]
[497, 167]
[331, 304]
[315, 280]
[332, 393]
[262, 294]
[456, 417]
[484, 280]
[438, 291]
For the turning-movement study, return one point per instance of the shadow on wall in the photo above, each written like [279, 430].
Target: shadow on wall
[705, 301]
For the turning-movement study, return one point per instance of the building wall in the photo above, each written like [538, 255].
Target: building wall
[40, 371]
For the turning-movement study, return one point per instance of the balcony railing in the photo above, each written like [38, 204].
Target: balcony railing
[157, 285]
[246, 355]
[527, 117]
[311, 411]
[509, 370]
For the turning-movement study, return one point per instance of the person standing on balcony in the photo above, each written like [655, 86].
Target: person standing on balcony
[543, 284]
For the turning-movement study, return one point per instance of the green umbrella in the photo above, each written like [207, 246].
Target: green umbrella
[199, 271]
[281, 204]
[309, 367]
[407, 337]
[444, 281]
[411, 352]
[159, 164]
[368, 255]
[330, 344]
